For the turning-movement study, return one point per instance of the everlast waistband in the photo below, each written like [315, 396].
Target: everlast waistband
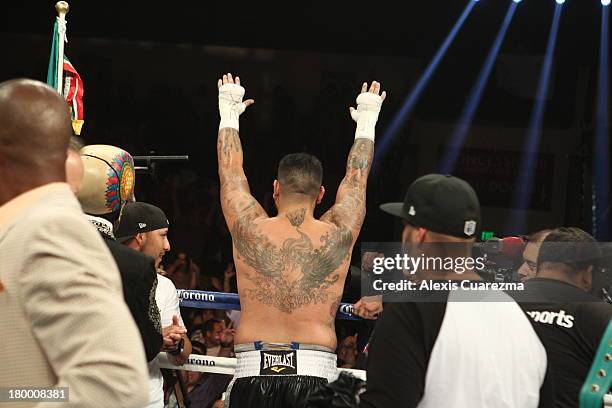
[285, 363]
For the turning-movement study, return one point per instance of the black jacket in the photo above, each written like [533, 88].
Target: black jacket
[139, 279]
[571, 323]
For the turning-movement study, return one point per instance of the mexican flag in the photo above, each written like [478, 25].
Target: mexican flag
[72, 88]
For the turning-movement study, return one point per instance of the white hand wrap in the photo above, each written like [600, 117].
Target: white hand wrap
[230, 105]
[366, 115]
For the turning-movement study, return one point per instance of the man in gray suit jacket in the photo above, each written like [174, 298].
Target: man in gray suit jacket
[62, 314]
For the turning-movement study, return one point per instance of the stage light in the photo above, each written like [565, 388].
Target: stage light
[457, 138]
[560, 1]
[601, 162]
[523, 195]
[402, 115]
[605, 2]
[517, 1]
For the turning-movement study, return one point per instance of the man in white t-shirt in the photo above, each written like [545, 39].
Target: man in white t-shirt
[144, 228]
[450, 347]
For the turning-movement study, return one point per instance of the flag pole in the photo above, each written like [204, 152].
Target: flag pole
[62, 9]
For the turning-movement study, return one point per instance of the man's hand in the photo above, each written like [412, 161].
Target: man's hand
[368, 108]
[227, 338]
[367, 260]
[227, 343]
[229, 271]
[178, 358]
[349, 209]
[172, 335]
[347, 351]
[230, 101]
[368, 307]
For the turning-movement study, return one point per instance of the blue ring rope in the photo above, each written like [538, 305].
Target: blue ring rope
[201, 299]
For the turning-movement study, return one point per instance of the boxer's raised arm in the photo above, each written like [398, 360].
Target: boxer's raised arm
[236, 198]
[350, 206]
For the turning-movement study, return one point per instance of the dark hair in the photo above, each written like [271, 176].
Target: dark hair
[209, 325]
[113, 218]
[300, 173]
[198, 347]
[538, 236]
[570, 246]
[188, 262]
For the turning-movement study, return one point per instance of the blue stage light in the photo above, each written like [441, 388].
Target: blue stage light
[467, 115]
[523, 194]
[402, 115]
[605, 2]
[601, 162]
[560, 1]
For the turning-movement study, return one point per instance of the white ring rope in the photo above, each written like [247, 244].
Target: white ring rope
[223, 365]
[227, 365]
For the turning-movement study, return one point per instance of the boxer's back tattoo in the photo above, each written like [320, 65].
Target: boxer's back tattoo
[316, 268]
[297, 271]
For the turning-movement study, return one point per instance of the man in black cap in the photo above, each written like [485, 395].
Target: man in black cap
[451, 353]
[144, 227]
[570, 320]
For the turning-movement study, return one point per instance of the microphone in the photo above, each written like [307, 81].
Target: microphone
[512, 247]
[509, 247]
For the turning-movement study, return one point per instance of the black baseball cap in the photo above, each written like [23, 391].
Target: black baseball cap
[440, 203]
[139, 217]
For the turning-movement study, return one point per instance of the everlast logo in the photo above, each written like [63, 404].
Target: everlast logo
[278, 362]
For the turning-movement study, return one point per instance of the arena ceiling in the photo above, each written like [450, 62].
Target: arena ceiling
[412, 28]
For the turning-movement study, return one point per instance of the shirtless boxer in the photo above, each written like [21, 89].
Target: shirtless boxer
[290, 268]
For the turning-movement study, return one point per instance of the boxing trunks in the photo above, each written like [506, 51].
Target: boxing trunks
[271, 375]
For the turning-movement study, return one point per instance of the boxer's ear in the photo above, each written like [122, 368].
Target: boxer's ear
[321, 194]
[276, 190]
[412, 234]
[140, 239]
[419, 235]
[406, 233]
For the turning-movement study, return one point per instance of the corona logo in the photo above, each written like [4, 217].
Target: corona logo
[348, 309]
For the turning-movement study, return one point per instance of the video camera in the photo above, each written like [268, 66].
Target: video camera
[503, 258]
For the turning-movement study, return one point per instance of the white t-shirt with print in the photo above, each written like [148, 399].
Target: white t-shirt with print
[168, 304]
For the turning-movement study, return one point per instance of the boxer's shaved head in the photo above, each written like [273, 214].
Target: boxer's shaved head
[35, 130]
[300, 173]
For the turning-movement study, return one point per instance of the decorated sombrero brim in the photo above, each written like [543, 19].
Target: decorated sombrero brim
[108, 181]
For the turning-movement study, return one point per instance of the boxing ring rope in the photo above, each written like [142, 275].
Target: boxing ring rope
[223, 365]
[230, 301]
[201, 299]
